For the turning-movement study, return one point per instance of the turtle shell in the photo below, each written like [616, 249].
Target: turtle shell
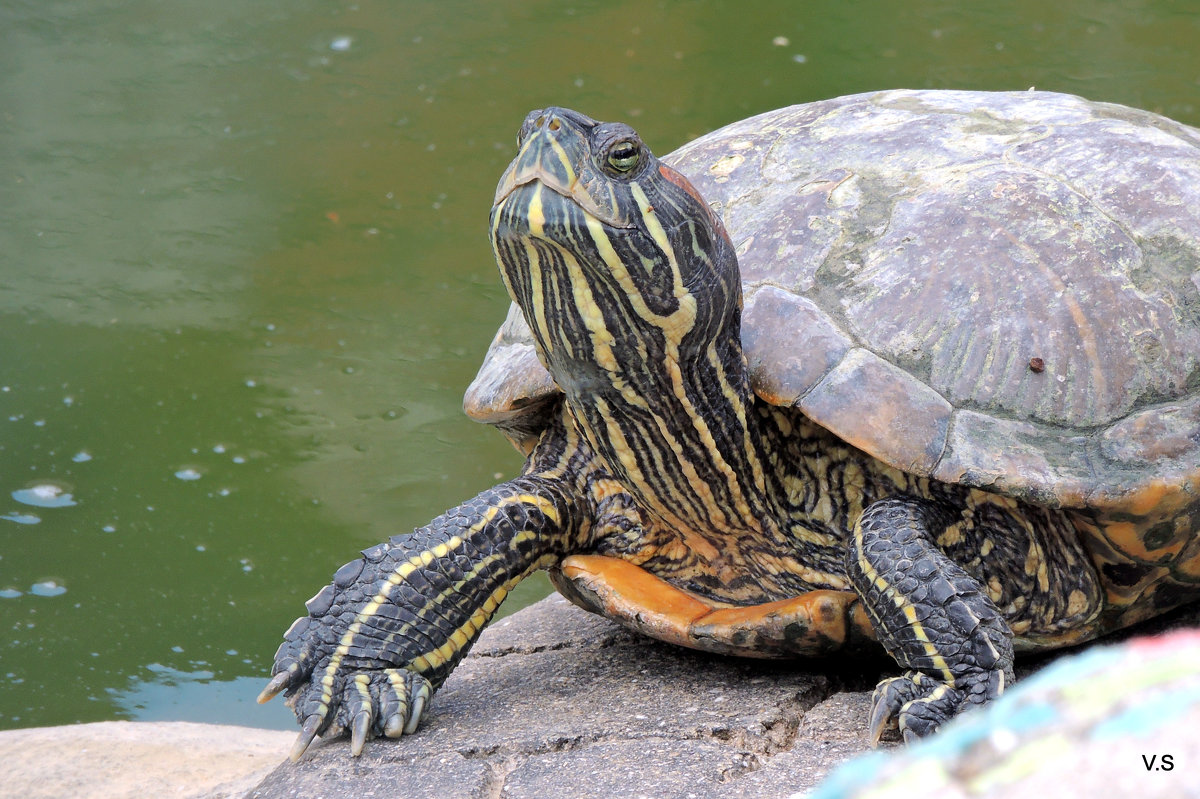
[995, 289]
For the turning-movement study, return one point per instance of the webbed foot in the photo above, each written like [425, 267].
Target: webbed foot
[368, 704]
[933, 617]
[918, 705]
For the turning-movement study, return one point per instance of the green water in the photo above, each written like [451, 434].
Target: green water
[244, 277]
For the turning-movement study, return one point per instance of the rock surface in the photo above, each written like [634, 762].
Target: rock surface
[556, 702]
[575, 706]
[131, 760]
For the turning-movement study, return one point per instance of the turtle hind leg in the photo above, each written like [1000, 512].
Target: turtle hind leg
[933, 617]
[812, 624]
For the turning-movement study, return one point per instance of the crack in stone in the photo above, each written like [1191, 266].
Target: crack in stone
[498, 772]
[750, 749]
[561, 744]
[525, 650]
[780, 734]
[611, 639]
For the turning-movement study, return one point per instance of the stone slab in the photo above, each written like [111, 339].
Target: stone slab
[557, 702]
[131, 760]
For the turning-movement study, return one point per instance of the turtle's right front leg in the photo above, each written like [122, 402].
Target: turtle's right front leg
[385, 634]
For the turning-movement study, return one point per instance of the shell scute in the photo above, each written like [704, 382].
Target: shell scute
[1161, 434]
[512, 388]
[790, 344]
[1017, 458]
[995, 289]
[876, 406]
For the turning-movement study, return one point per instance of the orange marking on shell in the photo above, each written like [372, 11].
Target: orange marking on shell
[1129, 538]
[1189, 563]
[1151, 496]
[821, 612]
[628, 590]
[813, 623]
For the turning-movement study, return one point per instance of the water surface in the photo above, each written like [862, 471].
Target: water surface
[244, 277]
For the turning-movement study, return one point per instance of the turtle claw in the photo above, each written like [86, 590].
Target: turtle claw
[403, 697]
[418, 709]
[358, 732]
[394, 726]
[365, 704]
[277, 684]
[883, 712]
[307, 732]
[917, 705]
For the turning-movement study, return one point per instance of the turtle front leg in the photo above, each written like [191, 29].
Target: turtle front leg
[385, 634]
[933, 617]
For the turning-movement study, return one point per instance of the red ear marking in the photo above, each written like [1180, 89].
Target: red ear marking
[685, 184]
[682, 182]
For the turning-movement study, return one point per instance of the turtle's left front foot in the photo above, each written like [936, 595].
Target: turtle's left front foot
[367, 704]
[334, 693]
[918, 705]
[933, 617]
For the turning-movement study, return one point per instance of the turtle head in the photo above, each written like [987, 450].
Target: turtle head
[631, 289]
[581, 159]
[612, 255]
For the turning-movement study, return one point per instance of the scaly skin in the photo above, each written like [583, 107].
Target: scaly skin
[747, 526]
[389, 629]
[931, 615]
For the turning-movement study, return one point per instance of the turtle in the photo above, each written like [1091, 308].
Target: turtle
[910, 370]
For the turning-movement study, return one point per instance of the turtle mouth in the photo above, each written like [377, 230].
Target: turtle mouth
[558, 156]
[574, 192]
[534, 209]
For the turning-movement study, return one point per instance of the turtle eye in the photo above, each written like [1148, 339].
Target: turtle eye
[624, 155]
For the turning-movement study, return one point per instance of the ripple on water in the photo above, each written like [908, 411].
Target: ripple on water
[188, 473]
[21, 518]
[163, 693]
[47, 588]
[44, 495]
